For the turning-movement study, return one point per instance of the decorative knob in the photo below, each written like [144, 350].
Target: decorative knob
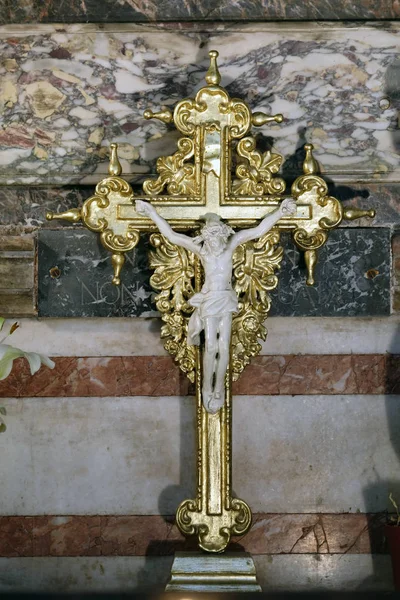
[213, 76]
[310, 165]
[350, 214]
[259, 118]
[118, 261]
[114, 168]
[164, 115]
[73, 215]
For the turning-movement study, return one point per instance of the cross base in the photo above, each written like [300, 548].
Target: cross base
[199, 572]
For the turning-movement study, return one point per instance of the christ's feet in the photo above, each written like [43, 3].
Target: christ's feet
[215, 402]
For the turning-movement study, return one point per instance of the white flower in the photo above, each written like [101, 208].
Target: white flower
[8, 354]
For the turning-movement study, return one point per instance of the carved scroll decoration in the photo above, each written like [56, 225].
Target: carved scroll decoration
[175, 173]
[254, 266]
[256, 173]
[99, 213]
[174, 272]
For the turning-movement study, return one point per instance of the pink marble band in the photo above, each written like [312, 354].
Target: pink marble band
[158, 375]
[156, 535]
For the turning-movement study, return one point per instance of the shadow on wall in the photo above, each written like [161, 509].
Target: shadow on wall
[377, 492]
[161, 551]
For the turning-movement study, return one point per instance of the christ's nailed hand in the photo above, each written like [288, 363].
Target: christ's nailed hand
[144, 208]
[288, 207]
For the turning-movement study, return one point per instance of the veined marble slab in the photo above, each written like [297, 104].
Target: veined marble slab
[67, 91]
[76, 11]
[141, 337]
[136, 455]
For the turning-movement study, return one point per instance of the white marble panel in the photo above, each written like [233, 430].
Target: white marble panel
[305, 572]
[137, 456]
[141, 337]
[66, 94]
[316, 453]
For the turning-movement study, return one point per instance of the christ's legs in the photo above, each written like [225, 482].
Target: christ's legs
[209, 361]
[224, 342]
[216, 359]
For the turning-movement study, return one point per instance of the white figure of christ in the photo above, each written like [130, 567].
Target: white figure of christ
[217, 301]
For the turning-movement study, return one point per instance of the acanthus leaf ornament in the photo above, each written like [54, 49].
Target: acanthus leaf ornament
[173, 275]
[254, 267]
[175, 173]
[256, 173]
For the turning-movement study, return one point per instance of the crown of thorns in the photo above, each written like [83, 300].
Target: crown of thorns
[212, 227]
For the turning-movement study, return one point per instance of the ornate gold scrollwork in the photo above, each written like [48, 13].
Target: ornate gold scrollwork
[214, 531]
[256, 175]
[99, 213]
[174, 272]
[326, 212]
[254, 266]
[178, 176]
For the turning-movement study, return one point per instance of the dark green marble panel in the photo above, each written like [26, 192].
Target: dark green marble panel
[344, 286]
[352, 277]
[83, 286]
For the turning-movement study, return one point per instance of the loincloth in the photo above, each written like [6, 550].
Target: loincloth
[209, 304]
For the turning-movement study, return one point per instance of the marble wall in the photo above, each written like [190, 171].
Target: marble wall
[76, 11]
[104, 444]
[67, 92]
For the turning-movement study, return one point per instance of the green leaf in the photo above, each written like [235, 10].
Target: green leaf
[2, 427]
[2, 410]
[2, 321]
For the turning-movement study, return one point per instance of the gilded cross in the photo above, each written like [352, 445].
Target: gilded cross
[198, 179]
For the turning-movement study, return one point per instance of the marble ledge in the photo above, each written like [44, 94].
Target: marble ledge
[158, 536]
[69, 90]
[159, 376]
[76, 11]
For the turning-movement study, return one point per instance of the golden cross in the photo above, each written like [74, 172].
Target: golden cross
[198, 179]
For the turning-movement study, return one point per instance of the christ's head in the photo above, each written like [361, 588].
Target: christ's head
[214, 235]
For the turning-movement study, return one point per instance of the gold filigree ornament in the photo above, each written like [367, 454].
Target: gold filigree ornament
[173, 277]
[175, 173]
[99, 213]
[256, 172]
[254, 266]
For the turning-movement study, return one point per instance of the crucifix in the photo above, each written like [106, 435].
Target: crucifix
[215, 213]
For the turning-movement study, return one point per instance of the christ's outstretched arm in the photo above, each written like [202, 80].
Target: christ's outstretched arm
[179, 239]
[287, 207]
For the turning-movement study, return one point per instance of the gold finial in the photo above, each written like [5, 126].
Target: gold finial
[350, 214]
[118, 260]
[73, 215]
[114, 168]
[259, 118]
[310, 165]
[164, 115]
[311, 260]
[213, 76]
